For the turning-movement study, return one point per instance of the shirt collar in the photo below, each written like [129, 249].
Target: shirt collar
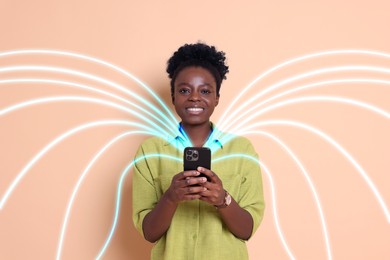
[181, 138]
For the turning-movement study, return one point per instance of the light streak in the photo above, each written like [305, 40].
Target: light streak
[309, 182]
[312, 85]
[298, 77]
[125, 172]
[274, 210]
[25, 104]
[81, 179]
[228, 120]
[330, 140]
[314, 99]
[118, 196]
[91, 77]
[92, 89]
[56, 141]
[295, 60]
[273, 197]
[94, 60]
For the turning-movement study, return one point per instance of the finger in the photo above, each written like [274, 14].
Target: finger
[185, 174]
[209, 173]
[192, 197]
[190, 181]
[194, 189]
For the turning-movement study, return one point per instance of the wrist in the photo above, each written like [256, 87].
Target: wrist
[168, 197]
[226, 201]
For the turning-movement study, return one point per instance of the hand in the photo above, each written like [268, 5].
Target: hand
[214, 193]
[185, 186]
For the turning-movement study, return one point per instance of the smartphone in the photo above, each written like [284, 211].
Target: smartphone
[195, 157]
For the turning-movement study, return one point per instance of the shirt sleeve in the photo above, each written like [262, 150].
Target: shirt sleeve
[144, 192]
[251, 196]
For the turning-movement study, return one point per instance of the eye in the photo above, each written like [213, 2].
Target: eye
[205, 91]
[184, 91]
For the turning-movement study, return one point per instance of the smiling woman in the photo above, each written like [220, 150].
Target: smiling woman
[189, 216]
[195, 98]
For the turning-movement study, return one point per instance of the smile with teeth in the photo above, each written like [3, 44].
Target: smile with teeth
[195, 109]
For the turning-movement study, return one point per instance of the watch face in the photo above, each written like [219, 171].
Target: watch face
[228, 199]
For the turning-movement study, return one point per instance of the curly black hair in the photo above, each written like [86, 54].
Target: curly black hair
[198, 54]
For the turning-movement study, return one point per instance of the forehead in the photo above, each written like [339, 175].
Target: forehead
[195, 75]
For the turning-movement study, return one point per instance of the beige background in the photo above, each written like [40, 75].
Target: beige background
[139, 36]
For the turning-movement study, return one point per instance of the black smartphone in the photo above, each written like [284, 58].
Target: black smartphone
[195, 157]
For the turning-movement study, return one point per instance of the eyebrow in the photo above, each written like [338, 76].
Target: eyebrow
[187, 84]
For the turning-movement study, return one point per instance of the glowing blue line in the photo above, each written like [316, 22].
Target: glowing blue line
[81, 179]
[309, 181]
[311, 99]
[92, 77]
[294, 78]
[56, 141]
[313, 85]
[124, 173]
[95, 60]
[295, 60]
[273, 193]
[330, 140]
[81, 99]
[118, 196]
[66, 83]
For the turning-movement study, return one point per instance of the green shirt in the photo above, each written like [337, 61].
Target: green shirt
[196, 230]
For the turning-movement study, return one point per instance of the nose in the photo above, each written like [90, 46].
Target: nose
[194, 96]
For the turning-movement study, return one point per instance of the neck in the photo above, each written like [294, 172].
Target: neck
[198, 134]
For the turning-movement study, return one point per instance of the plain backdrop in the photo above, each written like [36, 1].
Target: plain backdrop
[327, 186]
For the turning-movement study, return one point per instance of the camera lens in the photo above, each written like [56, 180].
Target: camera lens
[189, 158]
[189, 152]
[195, 155]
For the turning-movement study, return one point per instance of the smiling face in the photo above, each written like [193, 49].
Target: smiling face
[195, 96]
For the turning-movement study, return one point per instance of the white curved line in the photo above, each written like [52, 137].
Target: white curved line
[173, 123]
[95, 60]
[273, 193]
[118, 197]
[313, 99]
[82, 86]
[53, 143]
[79, 182]
[295, 60]
[343, 151]
[300, 76]
[312, 85]
[118, 200]
[275, 211]
[25, 104]
[310, 183]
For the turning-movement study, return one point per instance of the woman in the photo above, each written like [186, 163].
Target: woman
[187, 216]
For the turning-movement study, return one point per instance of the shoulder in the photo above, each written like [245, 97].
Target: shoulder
[153, 141]
[238, 141]
[151, 144]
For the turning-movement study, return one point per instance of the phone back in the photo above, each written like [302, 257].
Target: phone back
[195, 157]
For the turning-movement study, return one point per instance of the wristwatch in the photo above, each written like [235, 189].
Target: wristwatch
[226, 202]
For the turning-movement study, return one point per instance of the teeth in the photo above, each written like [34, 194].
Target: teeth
[195, 109]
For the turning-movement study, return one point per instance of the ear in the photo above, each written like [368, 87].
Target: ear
[217, 100]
